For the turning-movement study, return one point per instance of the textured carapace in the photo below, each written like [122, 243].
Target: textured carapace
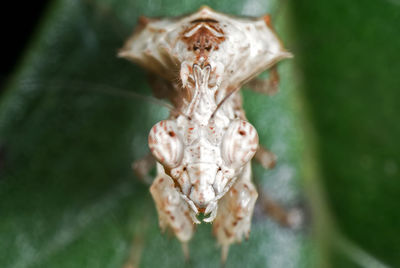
[206, 145]
[237, 49]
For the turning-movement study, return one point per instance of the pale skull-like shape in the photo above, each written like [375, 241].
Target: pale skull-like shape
[204, 170]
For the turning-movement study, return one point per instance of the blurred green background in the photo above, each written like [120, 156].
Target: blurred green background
[68, 197]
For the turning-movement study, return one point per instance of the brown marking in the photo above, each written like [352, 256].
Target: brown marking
[227, 233]
[242, 132]
[204, 20]
[156, 30]
[171, 134]
[177, 185]
[143, 21]
[203, 40]
[216, 94]
[187, 215]
[167, 171]
[151, 140]
[267, 20]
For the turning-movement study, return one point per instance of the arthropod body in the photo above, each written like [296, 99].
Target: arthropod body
[203, 150]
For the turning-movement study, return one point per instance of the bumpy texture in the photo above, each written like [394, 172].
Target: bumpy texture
[205, 147]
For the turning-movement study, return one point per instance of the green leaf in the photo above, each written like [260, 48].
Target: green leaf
[68, 195]
[349, 60]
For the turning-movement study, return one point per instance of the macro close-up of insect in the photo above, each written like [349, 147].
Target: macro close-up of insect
[202, 134]
[204, 149]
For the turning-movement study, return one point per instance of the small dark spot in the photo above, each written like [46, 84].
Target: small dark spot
[184, 168]
[219, 169]
[171, 134]
[242, 133]
[204, 20]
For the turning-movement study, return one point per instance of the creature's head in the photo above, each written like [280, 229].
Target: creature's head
[203, 169]
[203, 157]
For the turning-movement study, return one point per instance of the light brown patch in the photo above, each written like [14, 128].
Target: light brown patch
[203, 40]
[227, 233]
[201, 210]
[267, 20]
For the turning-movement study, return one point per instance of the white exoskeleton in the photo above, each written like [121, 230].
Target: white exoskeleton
[204, 149]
